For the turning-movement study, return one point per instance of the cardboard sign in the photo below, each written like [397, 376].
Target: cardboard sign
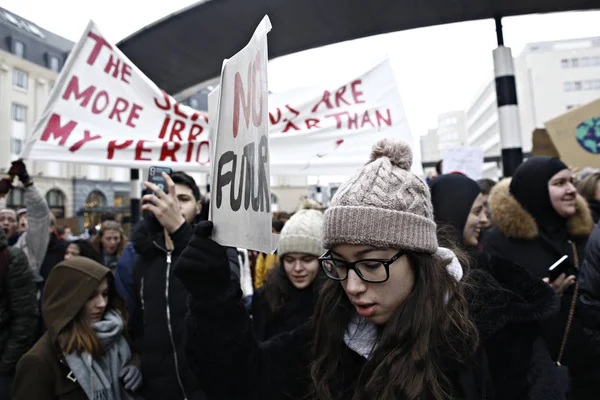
[241, 189]
[466, 160]
[542, 144]
[104, 110]
[576, 135]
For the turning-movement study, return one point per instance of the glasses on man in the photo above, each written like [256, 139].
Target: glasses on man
[374, 270]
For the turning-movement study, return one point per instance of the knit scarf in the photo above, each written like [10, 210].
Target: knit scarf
[99, 378]
[361, 335]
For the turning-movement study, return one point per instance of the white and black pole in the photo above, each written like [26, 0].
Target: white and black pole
[134, 196]
[508, 110]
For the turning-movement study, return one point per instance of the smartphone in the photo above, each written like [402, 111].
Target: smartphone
[155, 176]
[557, 268]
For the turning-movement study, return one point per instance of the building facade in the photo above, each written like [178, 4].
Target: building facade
[30, 61]
[552, 78]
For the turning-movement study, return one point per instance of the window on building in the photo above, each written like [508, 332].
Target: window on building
[564, 63]
[19, 49]
[16, 145]
[15, 199]
[597, 84]
[577, 85]
[575, 62]
[585, 62]
[595, 61]
[56, 202]
[20, 79]
[568, 86]
[588, 85]
[18, 112]
[95, 204]
[54, 63]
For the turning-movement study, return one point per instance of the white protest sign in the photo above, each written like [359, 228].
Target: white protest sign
[240, 204]
[330, 130]
[103, 110]
[466, 160]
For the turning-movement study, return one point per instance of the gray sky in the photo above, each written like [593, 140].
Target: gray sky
[438, 69]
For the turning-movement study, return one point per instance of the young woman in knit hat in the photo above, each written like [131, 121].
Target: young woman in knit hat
[391, 322]
[288, 298]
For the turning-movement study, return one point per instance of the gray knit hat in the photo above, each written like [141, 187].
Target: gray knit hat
[383, 205]
[302, 234]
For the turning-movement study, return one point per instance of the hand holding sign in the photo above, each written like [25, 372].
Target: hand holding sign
[164, 206]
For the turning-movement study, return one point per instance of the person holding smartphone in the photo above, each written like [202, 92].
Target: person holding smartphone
[539, 218]
[158, 321]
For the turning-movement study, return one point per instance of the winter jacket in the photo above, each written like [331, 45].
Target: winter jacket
[296, 311]
[221, 347]
[589, 290]
[518, 238]
[264, 264]
[18, 305]
[595, 208]
[42, 373]
[55, 253]
[124, 276]
[34, 241]
[158, 326]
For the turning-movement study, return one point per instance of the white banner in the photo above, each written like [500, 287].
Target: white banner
[104, 110]
[466, 160]
[241, 191]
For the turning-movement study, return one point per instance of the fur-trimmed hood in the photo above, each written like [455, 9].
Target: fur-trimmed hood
[515, 221]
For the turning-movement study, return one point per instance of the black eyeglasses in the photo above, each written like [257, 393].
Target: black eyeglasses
[370, 270]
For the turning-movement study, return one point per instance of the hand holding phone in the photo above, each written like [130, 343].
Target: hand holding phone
[163, 204]
[558, 268]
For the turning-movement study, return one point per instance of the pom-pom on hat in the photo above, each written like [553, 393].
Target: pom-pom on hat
[383, 205]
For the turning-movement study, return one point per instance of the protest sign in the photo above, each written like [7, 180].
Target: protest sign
[103, 110]
[576, 135]
[466, 160]
[240, 205]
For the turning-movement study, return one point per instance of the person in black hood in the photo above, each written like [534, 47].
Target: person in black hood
[288, 298]
[589, 188]
[513, 345]
[158, 326]
[539, 218]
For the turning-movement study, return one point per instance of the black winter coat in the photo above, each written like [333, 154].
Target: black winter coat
[589, 289]
[157, 327]
[516, 237]
[18, 305]
[222, 349]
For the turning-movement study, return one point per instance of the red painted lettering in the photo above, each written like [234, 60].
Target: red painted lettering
[195, 131]
[112, 146]
[120, 106]
[165, 125]
[113, 64]
[168, 150]
[134, 114]
[95, 108]
[312, 123]
[380, 118]
[272, 118]
[289, 126]
[126, 73]
[352, 121]
[87, 137]
[366, 119]
[248, 102]
[206, 153]
[338, 118]
[179, 112]
[73, 88]
[339, 97]
[355, 92]
[139, 150]
[257, 112]
[166, 106]
[55, 130]
[325, 100]
[178, 126]
[100, 43]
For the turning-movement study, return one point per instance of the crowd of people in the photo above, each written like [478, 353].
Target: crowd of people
[399, 289]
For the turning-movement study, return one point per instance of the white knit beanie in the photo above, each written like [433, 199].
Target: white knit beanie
[302, 233]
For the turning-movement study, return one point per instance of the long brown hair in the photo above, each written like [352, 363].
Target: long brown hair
[110, 225]
[428, 332]
[79, 335]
